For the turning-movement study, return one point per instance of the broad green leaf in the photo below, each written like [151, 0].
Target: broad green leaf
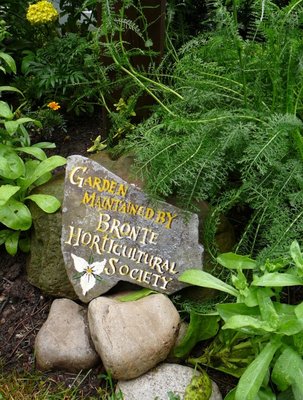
[15, 215]
[33, 151]
[45, 145]
[9, 61]
[136, 295]
[6, 192]
[236, 261]
[251, 381]
[11, 127]
[230, 395]
[296, 254]
[299, 310]
[46, 202]
[288, 370]
[25, 244]
[44, 167]
[11, 165]
[204, 279]
[290, 325]
[5, 110]
[277, 279]
[10, 89]
[267, 309]
[248, 324]
[4, 234]
[24, 120]
[30, 168]
[227, 310]
[11, 243]
[201, 327]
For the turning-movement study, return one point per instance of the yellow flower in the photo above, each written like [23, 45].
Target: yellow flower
[54, 105]
[41, 13]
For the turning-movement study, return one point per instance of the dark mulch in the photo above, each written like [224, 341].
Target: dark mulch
[23, 308]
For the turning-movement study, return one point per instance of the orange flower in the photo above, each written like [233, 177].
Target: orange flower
[54, 105]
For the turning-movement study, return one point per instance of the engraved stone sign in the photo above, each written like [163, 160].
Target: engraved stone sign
[112, 231]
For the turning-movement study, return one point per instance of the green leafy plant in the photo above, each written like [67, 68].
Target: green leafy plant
[232, 135]
[22, 168]
[262, 332]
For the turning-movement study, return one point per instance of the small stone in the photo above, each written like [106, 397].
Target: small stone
[132, 337]
[64, 342]
[157, 383]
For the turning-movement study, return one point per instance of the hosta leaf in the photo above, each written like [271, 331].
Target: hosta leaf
[15, 215]
[47, 203]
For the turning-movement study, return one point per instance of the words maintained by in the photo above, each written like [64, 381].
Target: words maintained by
[117, 203]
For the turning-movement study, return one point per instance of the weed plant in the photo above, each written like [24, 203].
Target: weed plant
[232, 135]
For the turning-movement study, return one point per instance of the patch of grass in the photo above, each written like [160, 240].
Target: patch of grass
[37, 386]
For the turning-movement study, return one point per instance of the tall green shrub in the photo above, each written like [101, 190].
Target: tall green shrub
[233, 136]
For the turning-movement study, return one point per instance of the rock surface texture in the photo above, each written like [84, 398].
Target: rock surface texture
[64, 342]
[157, 383]
[133, 337]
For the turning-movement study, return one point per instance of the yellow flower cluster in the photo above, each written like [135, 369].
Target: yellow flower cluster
[41, 13]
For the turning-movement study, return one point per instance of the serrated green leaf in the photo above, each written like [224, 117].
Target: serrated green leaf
[204, 279]
[236, 261]
[6, 192]
[15, 215]
[5, 110]
[46, 202]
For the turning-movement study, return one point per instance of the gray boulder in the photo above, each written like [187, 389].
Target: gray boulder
[45, 265]
[133, 337]
[157, 383]
[64, 341]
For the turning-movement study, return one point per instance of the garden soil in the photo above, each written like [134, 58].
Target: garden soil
[24, 308]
